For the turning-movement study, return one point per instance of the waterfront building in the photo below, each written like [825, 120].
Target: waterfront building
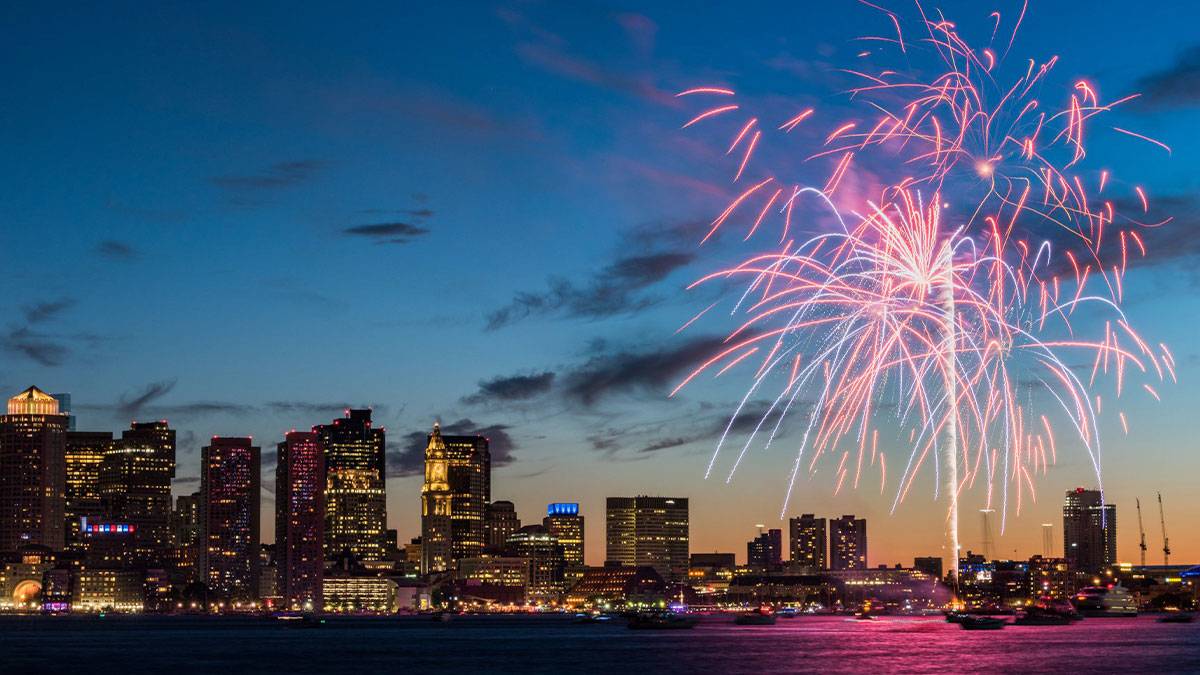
[33, 472]
[648, 531]
[355, 487]
[931, 565]
[564, 523]
[112, 590]
[300, 520]
[359, 594]
[765, 552]
[84, 453]
[21, 576]
[848, 543]
[546, 562]
[135, 485]
[502, 521]
[229, 518]
[1050, 577]
[809, 542]
[616, 586]
[492, 579]
[1089, 531]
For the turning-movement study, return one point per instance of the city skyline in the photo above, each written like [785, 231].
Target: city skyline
[528, 293]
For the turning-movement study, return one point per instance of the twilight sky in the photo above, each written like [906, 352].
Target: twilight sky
[244, 220]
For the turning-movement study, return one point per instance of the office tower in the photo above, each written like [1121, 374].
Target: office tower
[809, 541]
[355, 497]
[765, 552]
[469, 473]
[135, 485]
[564, 523]
[436, 531]
[229, 515]
[848, 543]
[33, 472]
[64, 408]
[84, 453]
[502, 521]
[1089, 531]
[185, 520]
[648, 531]
[546, 562]
[300, 520]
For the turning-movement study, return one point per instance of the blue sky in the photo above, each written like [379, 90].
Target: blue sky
[244, 219]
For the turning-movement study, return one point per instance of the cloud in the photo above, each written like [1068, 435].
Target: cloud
[318, 409]
[1178, 85]
[131, 405]
[511, 388]
[406, 457]
[666, 444]
[248, 189]
[387, 233]
[44, 311]
[43, 349]
[628, 371]
[614, 290]
[116, 250]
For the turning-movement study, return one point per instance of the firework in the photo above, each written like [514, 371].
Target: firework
[954, 312]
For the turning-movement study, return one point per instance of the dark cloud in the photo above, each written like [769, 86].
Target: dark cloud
[511, 388]
[666, 443]
[116, 250]
[406, 456]
[648, 371]
[1178, 85]
[387, 233]
[318, 409]
[48, 309]
[40, 348]
[130, 405]
[616, 289]
[186, 480]
[249, 189]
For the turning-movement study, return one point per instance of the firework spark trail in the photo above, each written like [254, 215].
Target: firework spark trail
[950, 322]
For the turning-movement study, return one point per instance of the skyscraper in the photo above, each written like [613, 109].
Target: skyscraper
[469, 471]
[436, 530]
[648, 531]
[1089, 531]
[765, 552]
[300, 520]
[229, 518]
[809, 541]
[564, 523]
[33, 473]
[135, 485]
[502, 521]
[848, 543]
[546, 562]
[355, 488]
[84, 453]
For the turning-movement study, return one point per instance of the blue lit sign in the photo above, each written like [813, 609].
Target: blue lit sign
[562, 509]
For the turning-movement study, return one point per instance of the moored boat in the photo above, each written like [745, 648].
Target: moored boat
[763, 616]
[982, 623]
[1177, 617]
[1106, 601]
[662, 621]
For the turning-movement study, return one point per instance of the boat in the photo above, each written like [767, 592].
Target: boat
[662, 621]
[440, 617]
[1106, 601]
[763, 616]
[1177, 617]
[956, 617]
[787, 613]
[295, 620]
[982, 623]
[865, 616]
[591, 617]
[1048, 612]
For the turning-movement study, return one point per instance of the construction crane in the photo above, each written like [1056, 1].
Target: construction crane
[1141, 531]
[1166, 543]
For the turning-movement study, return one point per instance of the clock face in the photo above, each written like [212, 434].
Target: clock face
[437, 471]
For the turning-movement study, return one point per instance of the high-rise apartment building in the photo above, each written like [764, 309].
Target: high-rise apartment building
[848, 543]
[564, 523]
[135, 485]
[355, 487]
[84, 453]
[33, 473]
[300, 520]
[809, 542]
[1089, 531]
[648, 531]
[229, 518]
[765, 552]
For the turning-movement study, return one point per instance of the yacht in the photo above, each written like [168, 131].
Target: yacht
[1106, 601]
